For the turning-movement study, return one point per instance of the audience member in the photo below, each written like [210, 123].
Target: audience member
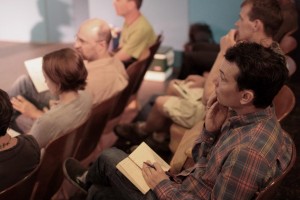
[289, 25]
[18, 155]
[106, 74]
[259, 21]
[241, 149]
[65, 74]
[137, 33]
[199, 52]
[284, 35]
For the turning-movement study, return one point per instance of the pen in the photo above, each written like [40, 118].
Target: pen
[149, 165]
[152, 166]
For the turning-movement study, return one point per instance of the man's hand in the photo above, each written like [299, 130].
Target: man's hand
[153, 175]
[195, 81]
[25, 107]
[228, 41]
[216, 114]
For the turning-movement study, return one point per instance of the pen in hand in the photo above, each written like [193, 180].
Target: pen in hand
[150, 165]
[153, 167]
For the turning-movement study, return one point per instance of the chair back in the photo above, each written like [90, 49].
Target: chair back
[94, 128]
[153, 49]
[269, 191]
[22, 189]
[284, 102]
[50, 173]
[134, 72]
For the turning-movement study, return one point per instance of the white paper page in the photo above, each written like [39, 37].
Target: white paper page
[144, 153]
[134, 174]
[35, 71]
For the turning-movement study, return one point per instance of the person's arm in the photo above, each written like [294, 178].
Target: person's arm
[209, 86]
[165, 188]
[122, 55]
[41, 131]
[135, 44]
[25, 107]
[241, 175]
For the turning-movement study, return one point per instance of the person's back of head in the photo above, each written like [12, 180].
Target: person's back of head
[200, 32]
[268, 12]
[261, 69]
[65, 67]
[6, 111]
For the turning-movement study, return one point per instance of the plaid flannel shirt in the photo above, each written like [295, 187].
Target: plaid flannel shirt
[250, 151]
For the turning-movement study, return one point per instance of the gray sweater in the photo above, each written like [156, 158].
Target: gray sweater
[61, 119]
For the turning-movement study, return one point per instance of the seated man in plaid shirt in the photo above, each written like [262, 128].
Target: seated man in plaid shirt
[242, 147]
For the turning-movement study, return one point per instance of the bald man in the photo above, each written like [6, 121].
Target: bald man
[106, 74]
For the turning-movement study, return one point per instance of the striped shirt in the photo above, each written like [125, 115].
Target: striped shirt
[250, 151]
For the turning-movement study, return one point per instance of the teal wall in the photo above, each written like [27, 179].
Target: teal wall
[219, 14]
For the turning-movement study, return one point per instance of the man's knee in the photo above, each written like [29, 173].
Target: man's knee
[22, 84]
[160, 102]
[112, 156]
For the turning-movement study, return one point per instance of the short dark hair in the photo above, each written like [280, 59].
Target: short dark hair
[6, 111]
[267, 11]
[138, 3]
[65, 67]
[261, 70]
[200, 32]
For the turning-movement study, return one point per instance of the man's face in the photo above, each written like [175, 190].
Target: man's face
[226, 86]
[86, 43]
[121, 7]
[244, 26]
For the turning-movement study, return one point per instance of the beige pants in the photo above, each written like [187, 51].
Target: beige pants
[184, 111]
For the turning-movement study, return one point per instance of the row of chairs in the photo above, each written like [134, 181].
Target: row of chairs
[46, 179]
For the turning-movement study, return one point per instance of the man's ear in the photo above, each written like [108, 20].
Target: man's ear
[247, 97]
[131, 5]
[102, 43]
[257, 25]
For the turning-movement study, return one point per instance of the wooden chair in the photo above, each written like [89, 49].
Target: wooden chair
[134, 72]
[284, 102]
[22, 189]
[153, 49]
[94, 127]
[268, 192]
[50, 174]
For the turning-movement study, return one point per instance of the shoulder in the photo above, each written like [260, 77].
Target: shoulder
[28, 141]
[143, 25]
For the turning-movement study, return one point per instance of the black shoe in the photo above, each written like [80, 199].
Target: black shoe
[73, 171]
[130, 132]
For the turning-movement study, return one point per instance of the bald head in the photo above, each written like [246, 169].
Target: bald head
[93, 38]
[96, 29]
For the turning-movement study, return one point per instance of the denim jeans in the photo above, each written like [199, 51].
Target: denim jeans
[104, 174]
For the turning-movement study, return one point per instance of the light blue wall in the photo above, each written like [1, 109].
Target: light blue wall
[58, 20]
[167, 16]
[219, 14]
